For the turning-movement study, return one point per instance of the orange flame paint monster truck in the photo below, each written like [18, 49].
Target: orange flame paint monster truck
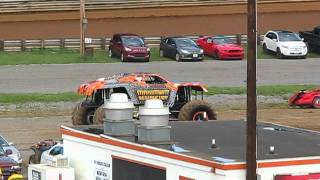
[181, 98]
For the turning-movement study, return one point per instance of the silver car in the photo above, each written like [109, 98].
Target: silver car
[11, 151]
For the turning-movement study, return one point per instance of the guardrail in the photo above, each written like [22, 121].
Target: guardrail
[96, 43]
[14, 6]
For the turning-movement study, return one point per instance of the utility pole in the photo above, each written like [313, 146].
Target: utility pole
[251, 153]
[82, 28]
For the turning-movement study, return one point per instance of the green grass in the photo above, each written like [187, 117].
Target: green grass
[19, 98]
[68, 56]
[63, 56]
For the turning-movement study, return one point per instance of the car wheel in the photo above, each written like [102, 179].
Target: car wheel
[316, 103]
[264, 48]
[178, 57]
[279, 54]
[161, 53]
[110, 53]
[217, 55]
[123, 59]
[147, 60]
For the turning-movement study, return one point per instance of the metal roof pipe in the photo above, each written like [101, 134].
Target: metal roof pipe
[154, 119]
[118, 112]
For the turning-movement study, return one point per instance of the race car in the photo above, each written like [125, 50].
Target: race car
[220, 47]
[182, 98]
[306, 99]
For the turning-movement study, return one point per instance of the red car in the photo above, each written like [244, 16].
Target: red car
[306, 99]
[220, 47]
[129, 47]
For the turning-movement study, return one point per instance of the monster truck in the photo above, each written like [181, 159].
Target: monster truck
[185, 100]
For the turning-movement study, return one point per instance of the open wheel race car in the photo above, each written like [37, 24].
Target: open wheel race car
[306, 99]
[182, 98]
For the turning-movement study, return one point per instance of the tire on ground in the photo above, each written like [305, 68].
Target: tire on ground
[98, 116]
[79, 114]
[191, 108]
[316, 102]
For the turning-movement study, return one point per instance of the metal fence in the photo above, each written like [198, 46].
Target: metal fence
[96, 43]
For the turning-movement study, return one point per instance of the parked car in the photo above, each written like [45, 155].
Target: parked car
[129, 47]
[220, 47]
[180, 48]
[8, 166]
[15, 154]
[312, 38]
[284, 44]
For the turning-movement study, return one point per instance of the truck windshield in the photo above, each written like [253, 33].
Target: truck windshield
[289, 37]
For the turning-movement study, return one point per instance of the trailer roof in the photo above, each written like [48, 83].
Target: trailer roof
[230, 137]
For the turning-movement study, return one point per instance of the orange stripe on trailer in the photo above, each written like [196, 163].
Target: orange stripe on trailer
[288, 163]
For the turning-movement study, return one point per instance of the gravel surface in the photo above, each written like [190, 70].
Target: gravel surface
[65, 78]
[222, 100]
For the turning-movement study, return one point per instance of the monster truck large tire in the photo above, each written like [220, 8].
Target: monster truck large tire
[98, 116]
[80, 115]
[192, 108]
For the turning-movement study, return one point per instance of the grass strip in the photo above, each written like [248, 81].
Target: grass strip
[72, 56]
[19, 98]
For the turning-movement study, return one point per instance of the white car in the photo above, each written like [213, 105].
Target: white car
[48, 155]
[284, 44]
[9, 147]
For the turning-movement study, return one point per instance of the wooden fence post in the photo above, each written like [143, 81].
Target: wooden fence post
[1, 45]
[62, 43]
[258, 39]
[42, 44]
[103, 43]
[238, 37]
[23, 45]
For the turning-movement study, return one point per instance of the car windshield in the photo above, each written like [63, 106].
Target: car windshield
[132, 41]
[185, 42]
[222, 40]
[3, 142]
[289, 37]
